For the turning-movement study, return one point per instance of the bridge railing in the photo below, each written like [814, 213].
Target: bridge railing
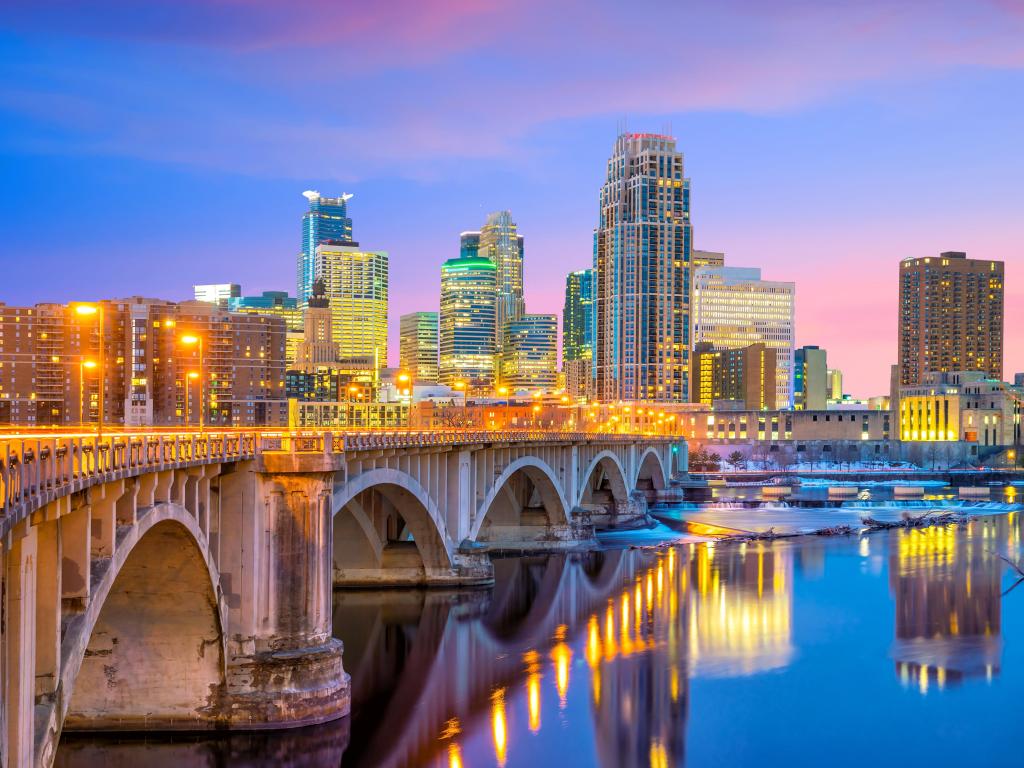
[31, 467]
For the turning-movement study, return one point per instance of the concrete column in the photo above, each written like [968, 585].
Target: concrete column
[572, 481]
[103, 500]
[48, 607]
[283, 666]
[20, 648]
[76, 554]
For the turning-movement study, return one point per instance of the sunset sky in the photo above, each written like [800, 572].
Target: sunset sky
[148, 146]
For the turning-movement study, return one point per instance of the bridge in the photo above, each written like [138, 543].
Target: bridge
[184, 581]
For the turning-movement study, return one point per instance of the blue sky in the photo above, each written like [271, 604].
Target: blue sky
[146, 148]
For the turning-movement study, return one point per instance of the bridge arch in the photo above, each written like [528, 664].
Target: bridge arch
[149, 651]
[387, 528]
[527, 493]
[651, 472]
[604, 482]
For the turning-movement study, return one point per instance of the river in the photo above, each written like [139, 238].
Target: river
[893, 647]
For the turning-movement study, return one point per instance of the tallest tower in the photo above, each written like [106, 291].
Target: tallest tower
[326, 220]
[642, 259]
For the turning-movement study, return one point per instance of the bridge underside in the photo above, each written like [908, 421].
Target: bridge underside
[384, 536]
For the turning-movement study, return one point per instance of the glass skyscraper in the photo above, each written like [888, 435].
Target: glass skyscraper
[326, 220]
[500, 242]
[529, 359]
[642, 258]
[417, 346]
[733, 307]
[578, 316]
[356, 287]
[467, 335]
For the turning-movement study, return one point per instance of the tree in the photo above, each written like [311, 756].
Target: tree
[737, 459]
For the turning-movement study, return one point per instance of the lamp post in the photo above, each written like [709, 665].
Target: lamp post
[189, 377]
[87, 310]
[504, 392]
[188, 341]
[82, 366]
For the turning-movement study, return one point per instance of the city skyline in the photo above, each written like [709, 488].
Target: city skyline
[819, 147]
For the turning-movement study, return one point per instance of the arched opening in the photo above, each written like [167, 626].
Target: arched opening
[384, 535]
[524, 504]
[604, 490]
[155, 657]
[650, 477]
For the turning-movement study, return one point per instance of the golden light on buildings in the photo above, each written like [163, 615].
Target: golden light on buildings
[499, 726]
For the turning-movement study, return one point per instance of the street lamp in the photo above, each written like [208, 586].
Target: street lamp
[88, 310]
[188, 341]
[190, 376]
[82, 366]
[504, 392]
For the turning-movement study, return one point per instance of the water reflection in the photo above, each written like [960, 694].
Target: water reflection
[946, 583]
[626, 657]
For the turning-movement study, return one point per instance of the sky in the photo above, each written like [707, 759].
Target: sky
[147, 147]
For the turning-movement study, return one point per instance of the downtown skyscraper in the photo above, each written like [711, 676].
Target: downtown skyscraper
[326, 220]
[642, 258]
[500, 242]
[466, 323]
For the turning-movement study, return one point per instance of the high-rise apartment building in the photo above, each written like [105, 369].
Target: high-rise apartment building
[642, 257]
[951, 316]
[274, 304]
[326, 220]
[578, 316]
[500, 242]
[530, 357]
[217, 293]
[734, 307]
[810, 379]
[356, 288]
[739, 376]
[466, 323]
[51, 365]
[418, 346]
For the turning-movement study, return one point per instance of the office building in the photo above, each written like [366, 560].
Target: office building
[810, 379]
[707, 258]
[734, 307]
[835, 384]
[418, 346]
[217, 293]
[499, 241]
[642, 258]
[731, 378]
[951, 316]
[317, 348]
[274, 304]
[356, 288]
[578, 316]
[530, 357]
[961, 405]
[466, 323]
[469, 245]
[326, 220]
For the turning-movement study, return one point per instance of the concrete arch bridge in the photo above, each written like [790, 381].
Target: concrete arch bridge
[184, 582]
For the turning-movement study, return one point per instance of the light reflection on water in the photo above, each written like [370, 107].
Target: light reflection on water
[727, 654]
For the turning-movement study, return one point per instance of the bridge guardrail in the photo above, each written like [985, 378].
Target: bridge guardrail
[31, 466]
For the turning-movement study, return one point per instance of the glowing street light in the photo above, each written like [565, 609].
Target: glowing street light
[88, 310]
[82, 367]
[190, 340]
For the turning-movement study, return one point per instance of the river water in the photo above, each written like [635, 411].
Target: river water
[898, 647]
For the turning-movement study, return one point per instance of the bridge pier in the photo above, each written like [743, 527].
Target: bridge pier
[283, 666]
